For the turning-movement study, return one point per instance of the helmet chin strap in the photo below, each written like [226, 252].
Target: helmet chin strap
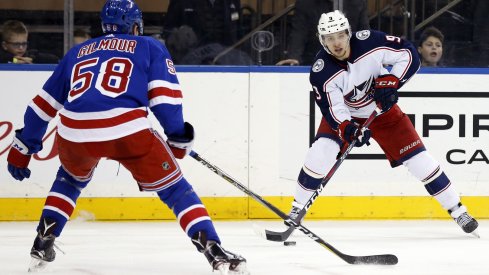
[135, 30]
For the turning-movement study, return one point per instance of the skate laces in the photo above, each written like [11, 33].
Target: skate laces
[294, 212]
[464, 219]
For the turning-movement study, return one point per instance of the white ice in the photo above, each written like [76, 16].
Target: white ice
[422, 246]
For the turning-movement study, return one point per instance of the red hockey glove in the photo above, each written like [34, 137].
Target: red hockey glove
[181, 146]
[18, 158]
[349, 131]
[386, 91]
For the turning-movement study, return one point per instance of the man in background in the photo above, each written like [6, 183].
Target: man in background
[302, 43]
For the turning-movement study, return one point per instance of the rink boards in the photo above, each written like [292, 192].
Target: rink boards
[253, 122]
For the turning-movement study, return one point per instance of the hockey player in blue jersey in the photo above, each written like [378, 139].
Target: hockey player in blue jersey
[350, 79]
[102, 90]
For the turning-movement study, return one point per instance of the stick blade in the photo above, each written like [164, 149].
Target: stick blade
[384, 259]
[279, 236]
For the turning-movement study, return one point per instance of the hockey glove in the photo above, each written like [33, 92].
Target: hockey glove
[182, 145]
[18, 158]
[386, 91]
[350, 131]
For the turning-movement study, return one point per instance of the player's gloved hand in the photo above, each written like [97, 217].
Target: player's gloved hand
[18, 158]
[350, 131]
[182, 145]
[386, 91]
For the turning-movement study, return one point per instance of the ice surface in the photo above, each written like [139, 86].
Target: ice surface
[422, 246]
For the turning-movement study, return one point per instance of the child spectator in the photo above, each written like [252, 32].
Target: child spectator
[430, 47]
[14, 46]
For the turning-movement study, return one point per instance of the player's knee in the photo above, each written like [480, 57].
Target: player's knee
[321, 156]
[65, 176]
[437, 183]
[309, 180]
[172, 194]
[422, 165]
[426, 169]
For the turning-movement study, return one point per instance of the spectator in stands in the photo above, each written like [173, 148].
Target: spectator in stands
[211, 21]
[80, 35]
[303, 43]
[14, 46]
[14, 43]
[430, 47]
[480, 32]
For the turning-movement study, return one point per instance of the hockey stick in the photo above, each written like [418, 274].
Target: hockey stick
[383, 259]
[282, 236]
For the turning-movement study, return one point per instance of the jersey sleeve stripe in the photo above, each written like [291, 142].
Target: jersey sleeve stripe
[39, 112]
[164, 100]
[104, 122]
[396, 51]
[331, 105]
[164, 91]
[161, 95]
[162, 83]
[331, 110]
[53, 102]
[44, 106]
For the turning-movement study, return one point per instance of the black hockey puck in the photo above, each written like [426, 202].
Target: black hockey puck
[290, 243]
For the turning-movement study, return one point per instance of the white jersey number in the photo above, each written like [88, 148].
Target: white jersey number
[393, 38]
[112, 79]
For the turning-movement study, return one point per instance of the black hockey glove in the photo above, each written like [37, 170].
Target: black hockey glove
[182, 145]
[350, 131]
[386, 91]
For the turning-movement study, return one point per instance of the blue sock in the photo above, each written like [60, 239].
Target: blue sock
[189, 210]
[61, 200]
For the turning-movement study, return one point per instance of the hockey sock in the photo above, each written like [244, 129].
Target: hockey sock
[307, 183]
[188, 208]
[440, 187]
[319, 160]
[425, 168]
[61, 201]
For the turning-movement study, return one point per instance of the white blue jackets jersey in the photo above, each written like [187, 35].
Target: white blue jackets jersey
[344, 89]
[102, 89]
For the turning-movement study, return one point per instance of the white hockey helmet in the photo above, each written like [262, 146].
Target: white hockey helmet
[332, 22]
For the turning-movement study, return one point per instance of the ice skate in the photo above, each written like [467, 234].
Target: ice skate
[42, 252]
[464, 220]
[294, 212]
[220, 259]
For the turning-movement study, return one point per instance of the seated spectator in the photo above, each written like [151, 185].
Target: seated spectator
[183, 46]
[212, 21]
[303, 43]
[430, 47]
[80, 35]
[14, 46]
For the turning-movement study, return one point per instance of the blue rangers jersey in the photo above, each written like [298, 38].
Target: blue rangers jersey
[344, 89]
[102, 89]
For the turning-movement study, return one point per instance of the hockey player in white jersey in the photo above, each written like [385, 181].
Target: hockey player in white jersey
[350, 79]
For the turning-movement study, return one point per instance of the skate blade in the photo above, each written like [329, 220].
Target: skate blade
[476, 234]
[241, 269]
[37, 265]
[223, 268]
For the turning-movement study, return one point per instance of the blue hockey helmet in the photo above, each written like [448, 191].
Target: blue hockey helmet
[119, 16]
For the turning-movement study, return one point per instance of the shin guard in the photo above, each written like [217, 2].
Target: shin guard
[61, 200]
[188, 208]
